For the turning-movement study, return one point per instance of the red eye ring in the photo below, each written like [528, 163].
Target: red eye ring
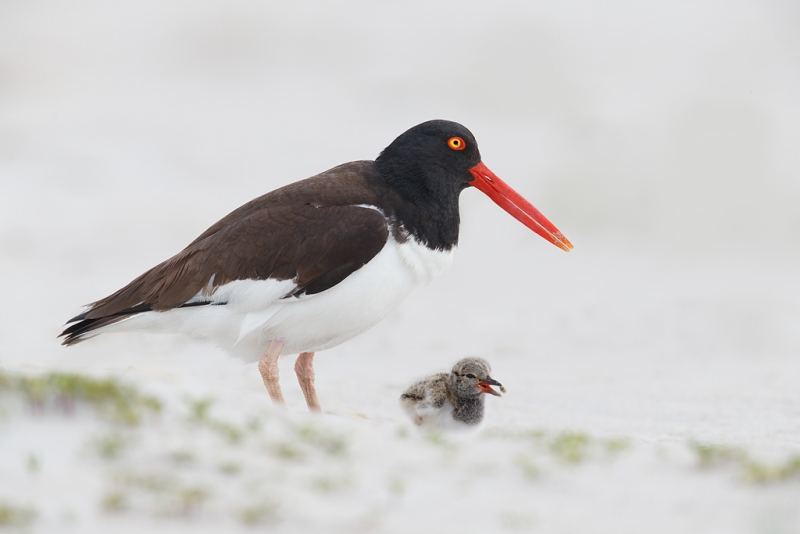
[456, 143]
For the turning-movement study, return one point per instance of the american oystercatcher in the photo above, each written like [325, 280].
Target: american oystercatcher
[317, 262]
[451, 400]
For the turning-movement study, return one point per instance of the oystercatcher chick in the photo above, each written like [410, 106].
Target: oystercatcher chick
[451, 400]
[317, 262]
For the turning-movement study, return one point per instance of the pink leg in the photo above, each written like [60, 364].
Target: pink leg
[268, 367]
[304, 368]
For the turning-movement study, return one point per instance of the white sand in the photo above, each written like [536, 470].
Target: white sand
[661, 139]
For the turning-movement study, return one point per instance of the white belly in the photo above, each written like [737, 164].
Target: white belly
[427, 416]
[255, 314]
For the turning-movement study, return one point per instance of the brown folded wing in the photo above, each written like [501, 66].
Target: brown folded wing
[277, 236]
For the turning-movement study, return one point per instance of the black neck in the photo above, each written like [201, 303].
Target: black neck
[428, 206]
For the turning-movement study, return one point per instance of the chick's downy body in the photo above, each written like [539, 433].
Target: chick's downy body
[451, 400]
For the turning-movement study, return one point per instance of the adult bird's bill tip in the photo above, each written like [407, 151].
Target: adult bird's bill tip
[515, 205]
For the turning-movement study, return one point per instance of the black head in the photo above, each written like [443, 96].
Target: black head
[428, 167]
[430, 162]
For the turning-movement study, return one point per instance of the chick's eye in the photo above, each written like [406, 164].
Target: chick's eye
[456, 143]
[469, 375]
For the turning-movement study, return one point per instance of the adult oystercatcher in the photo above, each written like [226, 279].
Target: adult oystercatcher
[317, 262]
[451, 400]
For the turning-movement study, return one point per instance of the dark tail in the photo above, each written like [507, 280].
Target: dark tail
[80, 325]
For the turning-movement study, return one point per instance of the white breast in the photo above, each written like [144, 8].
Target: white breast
[425, 263]
[425, 415]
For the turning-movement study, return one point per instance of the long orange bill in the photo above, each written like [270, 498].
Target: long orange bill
[516, 206]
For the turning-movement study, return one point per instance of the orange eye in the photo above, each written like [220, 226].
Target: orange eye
[456, 143]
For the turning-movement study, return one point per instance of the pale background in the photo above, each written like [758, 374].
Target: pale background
[663, 138]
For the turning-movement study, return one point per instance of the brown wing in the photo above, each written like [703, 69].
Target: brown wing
[317, 247]
[309, 231]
